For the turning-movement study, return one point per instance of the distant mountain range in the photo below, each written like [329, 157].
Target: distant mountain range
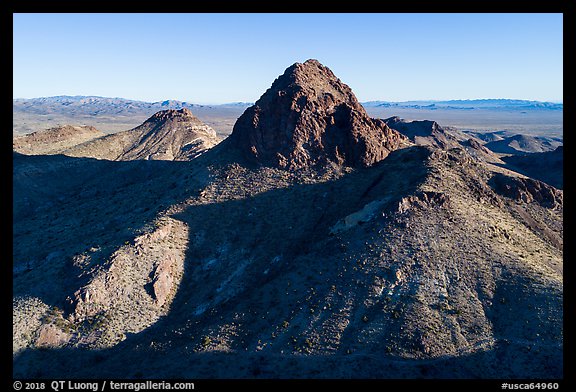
[487, 104]
[94, 105]
[112, 114]
[105, 106]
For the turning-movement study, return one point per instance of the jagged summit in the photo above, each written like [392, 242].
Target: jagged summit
[308, 117]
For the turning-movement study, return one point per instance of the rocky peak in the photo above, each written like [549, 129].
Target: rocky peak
[169, 135]
[171, 114]
[308, 117]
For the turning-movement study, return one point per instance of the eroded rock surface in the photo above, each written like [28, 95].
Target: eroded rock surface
[308, 116]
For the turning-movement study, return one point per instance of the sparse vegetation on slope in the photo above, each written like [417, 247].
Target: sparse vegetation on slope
[54, 140]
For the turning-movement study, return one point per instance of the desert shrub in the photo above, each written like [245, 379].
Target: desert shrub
[206, 341]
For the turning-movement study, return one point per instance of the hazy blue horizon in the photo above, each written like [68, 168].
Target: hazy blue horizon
[224, 58]
[251, 102]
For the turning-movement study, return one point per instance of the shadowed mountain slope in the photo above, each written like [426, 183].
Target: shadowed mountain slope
[545, 166]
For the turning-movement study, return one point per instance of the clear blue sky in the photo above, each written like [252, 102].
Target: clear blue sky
[217, 58]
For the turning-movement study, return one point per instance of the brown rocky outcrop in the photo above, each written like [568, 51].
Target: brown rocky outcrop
[422, 200]
[473, 143]
[134, 287]
[163, 281]
[423, 132]
[527, 190]
[308, 117]
[51, 336]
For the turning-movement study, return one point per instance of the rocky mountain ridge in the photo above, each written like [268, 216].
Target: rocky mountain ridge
[54, 140]
[314, 242]
[520, 144]
[166, 135]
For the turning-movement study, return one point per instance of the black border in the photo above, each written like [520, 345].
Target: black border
[410, 6]
[294, 6]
